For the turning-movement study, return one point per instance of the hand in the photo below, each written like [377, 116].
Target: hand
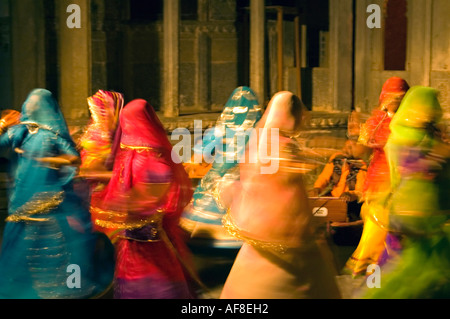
[57, 161]
[53, 162]
[314, 192]
[9, 118]
[349, 197]
[96, 175]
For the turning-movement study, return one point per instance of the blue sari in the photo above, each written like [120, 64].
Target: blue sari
[231, 134]
[49, 249]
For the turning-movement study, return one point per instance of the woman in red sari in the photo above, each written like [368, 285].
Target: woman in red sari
[140, 210]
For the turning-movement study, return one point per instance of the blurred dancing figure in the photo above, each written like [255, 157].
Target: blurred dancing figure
[280, 258]
[343, 176]
[418, 204]
[374, 134]
[97, 140]
[48, 230]
[200, 163]
[96, 143]
[203, 218]
[140, 210]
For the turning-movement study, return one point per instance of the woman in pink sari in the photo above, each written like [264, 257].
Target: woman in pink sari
[269, 211]
[140, 210]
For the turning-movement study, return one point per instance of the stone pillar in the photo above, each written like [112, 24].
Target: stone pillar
[27, 49]
[98, 46]
[5, 56]
[341, 51]
[420, 31]
[364, 59]
[280, 39]
[440, 59]
[257, 49]
[74, 55]
[203, 59]
[202, 87]
[171, 105]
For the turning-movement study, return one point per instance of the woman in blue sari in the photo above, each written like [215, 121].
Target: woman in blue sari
[49, 249]
[203, 217]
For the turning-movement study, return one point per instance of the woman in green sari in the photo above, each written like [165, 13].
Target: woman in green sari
[418, 203]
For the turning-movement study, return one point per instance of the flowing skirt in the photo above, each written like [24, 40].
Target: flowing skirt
[152, 270]
[371, 245]
[421, 271]
[301, 273]
[55, 255]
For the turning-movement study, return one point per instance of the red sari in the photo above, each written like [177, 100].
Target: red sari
[140, 210]
[375, 134]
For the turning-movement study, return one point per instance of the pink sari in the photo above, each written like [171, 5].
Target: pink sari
[140, 209]
[280, 257]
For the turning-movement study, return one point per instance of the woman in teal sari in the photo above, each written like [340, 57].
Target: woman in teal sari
[49, 249]
[418, 206]
[203, 217]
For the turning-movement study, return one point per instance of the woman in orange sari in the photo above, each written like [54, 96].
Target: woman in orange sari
[140, 210]
[373, 136]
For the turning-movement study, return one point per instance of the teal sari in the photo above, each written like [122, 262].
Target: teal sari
[49, 249]
[231, 135]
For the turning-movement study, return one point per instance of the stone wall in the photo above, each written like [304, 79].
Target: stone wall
[111, 52]
[428, 47]
[208, 69]
[5, 56]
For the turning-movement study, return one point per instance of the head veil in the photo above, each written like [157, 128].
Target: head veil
[271, 210]
[96, 142]
[41, 109]
[419, 110]
[393, 90]
[142, 137]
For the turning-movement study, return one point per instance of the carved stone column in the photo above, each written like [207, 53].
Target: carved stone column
[27, 48]
[257, 48]
[171, 106]
[341, 51]
[74, 55]
[202, 96]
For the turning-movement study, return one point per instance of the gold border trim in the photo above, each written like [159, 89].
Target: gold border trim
[40, 203]
[235, 231]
